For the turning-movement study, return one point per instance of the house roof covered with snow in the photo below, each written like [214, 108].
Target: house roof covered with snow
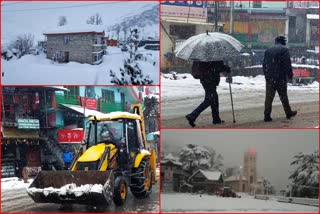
[67, 29]
[236, 178]
[171, 159]
[209, 175]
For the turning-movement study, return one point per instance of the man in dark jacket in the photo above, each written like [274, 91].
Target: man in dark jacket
[277, 70]
[209, 79]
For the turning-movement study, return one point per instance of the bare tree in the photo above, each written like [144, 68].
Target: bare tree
[95, 19]
[23, 43]
[117, 29]
[62, 21]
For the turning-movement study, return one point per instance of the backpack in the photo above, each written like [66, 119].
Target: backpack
[199, 69]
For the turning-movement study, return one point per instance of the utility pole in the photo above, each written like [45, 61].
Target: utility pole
[231, 17]
[216, 16]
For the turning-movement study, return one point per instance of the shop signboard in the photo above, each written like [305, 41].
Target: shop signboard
[70, 136]
[89, 103]
[184, 9]
[28, 124]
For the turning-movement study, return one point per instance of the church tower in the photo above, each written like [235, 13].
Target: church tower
[250, 166]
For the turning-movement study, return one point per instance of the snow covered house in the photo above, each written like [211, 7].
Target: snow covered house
[237, 183]
[206, 181]
[172, 175]
[84, 44]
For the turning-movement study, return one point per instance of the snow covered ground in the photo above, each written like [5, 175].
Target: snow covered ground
[206, 203]
[190, 87]
[14, 183]
[32, 69]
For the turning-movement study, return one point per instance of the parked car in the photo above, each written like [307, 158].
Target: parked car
[124, 48]
[33, 51]
[228, 192]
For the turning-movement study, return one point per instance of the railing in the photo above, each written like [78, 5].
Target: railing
[67, 99]
[294, 200]
[111, 107]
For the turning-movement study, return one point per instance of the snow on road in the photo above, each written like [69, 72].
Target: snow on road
[14, 183]
[194, 203]
[38, 69]
[190, 87]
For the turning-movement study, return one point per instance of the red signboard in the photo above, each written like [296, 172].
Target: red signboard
[89, 103]
[70, 136]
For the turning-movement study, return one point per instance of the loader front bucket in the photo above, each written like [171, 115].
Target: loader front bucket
[73, 187]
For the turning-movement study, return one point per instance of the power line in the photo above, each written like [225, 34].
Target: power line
[54, 8]
[13, 3]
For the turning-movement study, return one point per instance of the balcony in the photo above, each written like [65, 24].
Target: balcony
[67, 99]
[111, 107]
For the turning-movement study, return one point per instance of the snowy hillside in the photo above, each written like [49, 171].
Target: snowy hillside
[147, 22]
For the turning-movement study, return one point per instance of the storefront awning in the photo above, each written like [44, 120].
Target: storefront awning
[14, 133]
[80, 109]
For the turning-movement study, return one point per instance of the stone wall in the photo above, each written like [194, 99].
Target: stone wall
[80, 47]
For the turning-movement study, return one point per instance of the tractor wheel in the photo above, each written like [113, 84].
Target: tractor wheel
[120, 191]
[141, 180]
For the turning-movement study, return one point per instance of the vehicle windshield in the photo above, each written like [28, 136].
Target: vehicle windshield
[107, 132]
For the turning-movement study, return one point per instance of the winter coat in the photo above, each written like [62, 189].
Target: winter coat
[210, 71]
[277, 64]
[67, 157]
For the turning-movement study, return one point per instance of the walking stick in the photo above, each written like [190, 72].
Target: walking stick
[234, 119]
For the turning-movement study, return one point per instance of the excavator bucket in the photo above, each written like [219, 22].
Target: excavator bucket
[73, 187]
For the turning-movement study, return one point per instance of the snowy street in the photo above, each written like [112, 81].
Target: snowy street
[180, 97]
[37, 69]
[14, 198]
[210, 203]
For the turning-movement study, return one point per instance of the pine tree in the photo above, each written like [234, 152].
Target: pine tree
[194, 157]
[305, 176]
[131, 72]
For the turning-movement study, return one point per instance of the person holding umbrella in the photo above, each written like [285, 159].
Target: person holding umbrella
[209, 79]
[277, 70]
[209, 52]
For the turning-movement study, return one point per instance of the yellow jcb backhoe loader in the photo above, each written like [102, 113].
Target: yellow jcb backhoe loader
[113, 159]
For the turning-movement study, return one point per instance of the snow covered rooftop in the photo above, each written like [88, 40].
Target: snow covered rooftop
[211, 176]
[235, 178]
[66, 29]
[171, 159]
[80, 109]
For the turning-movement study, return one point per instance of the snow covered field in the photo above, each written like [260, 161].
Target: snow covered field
[194, 203]
[32, 69]
[190, 87]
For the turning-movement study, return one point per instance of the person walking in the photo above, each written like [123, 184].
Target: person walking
[277, 70]
[209, 75]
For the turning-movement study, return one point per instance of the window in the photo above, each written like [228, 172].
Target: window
[66, 39]
[257, 4]
[182, 31]
[107, 96]
[97, 40]
[72, 93]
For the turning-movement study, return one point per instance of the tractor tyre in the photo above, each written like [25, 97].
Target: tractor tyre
[120, 191]
[141, 180]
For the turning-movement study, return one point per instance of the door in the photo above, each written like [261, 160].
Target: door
[66, 56]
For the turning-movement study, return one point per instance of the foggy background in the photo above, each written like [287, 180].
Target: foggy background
[275, 148]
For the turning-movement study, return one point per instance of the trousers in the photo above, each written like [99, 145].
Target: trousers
[211, 99]
[271, 89]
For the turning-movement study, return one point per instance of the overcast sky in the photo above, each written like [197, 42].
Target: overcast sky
[25, 17]
[275, 148]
